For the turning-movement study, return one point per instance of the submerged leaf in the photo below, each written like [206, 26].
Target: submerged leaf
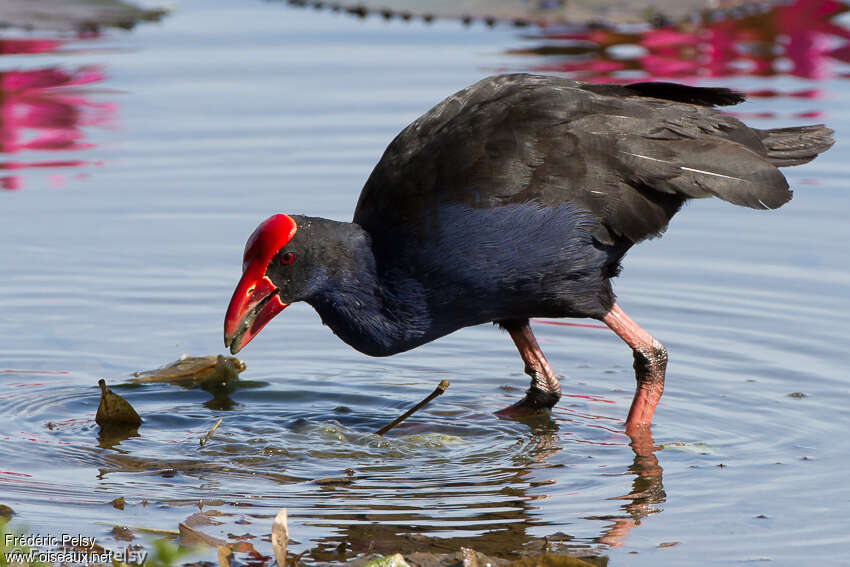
[115, 410]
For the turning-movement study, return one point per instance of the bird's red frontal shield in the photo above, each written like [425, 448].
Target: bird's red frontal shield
[256, 301]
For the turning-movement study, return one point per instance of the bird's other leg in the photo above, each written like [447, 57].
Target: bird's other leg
[650, 365]
[545, 390]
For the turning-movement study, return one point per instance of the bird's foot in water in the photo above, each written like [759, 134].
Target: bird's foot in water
[650, 367]
[536, 401]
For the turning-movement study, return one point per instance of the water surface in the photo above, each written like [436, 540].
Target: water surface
[137, 163]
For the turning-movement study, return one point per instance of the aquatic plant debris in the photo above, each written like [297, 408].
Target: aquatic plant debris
[697, 447]
[395, 560]
[188, 371]
[280, 537]
[191, 536]
[115, 410]
[209, 434]
[441, 387]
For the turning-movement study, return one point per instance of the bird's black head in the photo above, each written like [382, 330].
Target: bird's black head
[281, 265]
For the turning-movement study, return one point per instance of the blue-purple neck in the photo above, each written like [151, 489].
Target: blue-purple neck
[378, 315]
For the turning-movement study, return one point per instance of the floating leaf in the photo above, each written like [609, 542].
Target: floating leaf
[115, 410]
[191, 536]
[206, 371]
[122, 533]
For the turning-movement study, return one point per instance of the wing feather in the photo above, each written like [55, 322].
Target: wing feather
[629, 156]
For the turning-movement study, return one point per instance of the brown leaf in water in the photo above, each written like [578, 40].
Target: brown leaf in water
[200, 519]
[122, 533]
[118, 503]
[115, 410]
[191, 370]
[243, 547]
[6, 513]
[224, 555]
[191, 536]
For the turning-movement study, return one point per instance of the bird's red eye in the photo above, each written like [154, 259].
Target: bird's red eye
[287, 258]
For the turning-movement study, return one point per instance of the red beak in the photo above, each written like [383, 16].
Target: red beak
[254, 303]
[256, 299]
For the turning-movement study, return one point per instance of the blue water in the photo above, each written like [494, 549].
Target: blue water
[194, 129]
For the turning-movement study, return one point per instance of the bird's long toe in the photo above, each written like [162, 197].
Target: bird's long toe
[650, 368]
[536, 401]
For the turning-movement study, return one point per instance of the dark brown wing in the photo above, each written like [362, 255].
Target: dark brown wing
[624, 153]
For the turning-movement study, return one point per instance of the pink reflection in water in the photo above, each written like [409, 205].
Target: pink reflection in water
[43, 110]
[797, 38]
[19, 46]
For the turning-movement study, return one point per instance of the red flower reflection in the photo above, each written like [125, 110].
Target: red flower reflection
[797, 38]
[17, 46]
[39, 111]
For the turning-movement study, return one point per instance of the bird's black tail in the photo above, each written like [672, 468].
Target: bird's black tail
[795, 145]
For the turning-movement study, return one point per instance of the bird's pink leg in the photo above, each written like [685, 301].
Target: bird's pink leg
[545, 390]
[650, 365]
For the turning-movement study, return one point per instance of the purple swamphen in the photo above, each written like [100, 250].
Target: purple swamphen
[514, 198]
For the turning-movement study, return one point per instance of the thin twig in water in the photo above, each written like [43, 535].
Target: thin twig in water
[210, 433]
[441, 387]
